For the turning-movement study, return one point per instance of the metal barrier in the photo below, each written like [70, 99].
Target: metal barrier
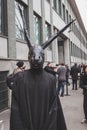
[1, 125]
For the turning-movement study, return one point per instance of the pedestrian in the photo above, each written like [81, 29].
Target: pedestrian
[74, 75]
[35, 105]
[20, 67]
[11, 77]
[83, 81]
[61, 79]
[50, 69]
[67, 75]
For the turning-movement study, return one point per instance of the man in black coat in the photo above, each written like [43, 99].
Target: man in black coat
[74, 74]
[35, 104]
[50, 69]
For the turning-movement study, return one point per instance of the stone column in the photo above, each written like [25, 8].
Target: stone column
[67, 52]
[54, 43]
[31, 22]
[43, 21]
[11, 29]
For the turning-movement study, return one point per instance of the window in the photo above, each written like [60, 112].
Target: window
[59, 6]
[63, 11]
[3, 17]
[70, 20]
[19, 21]
[55, 4]
[48, 32]
[67, 19]
[37, 29]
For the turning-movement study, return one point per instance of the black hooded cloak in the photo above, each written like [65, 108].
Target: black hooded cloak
[35, 105]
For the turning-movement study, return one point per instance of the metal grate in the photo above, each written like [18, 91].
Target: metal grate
[3, 91]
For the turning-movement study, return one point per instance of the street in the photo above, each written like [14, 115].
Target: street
[72, 107]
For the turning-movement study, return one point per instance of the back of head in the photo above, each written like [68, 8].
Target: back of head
[20, 63]
[75, 64]
[62, 64]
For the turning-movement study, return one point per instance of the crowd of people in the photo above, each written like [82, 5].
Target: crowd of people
[75, 72]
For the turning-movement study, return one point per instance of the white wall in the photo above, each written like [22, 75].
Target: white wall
[37, 6]
[48, 55]
[59, 23]
[3, 47]
[21, 51]
[47, 12]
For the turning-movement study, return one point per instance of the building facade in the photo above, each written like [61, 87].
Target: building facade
[43, 18]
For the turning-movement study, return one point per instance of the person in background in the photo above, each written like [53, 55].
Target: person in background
[83, 81]
[61, 79]
[74, 74]
[50, 69]
[11, 77]
[20, 67]
[67, 74]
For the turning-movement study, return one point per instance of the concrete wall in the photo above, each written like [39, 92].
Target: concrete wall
[3, 48]
[22, 51]
[47, 12]
[37, 6]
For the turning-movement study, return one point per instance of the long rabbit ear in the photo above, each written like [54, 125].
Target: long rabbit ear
[47, 43]
[25, 27]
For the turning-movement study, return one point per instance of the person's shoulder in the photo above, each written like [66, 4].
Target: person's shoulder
[21, 73]
[48, 75]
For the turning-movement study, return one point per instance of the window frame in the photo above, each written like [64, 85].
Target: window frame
[63, 13]
[26, 19]
[59, 7]
[4, 29]
[49, 33]
[39, 28]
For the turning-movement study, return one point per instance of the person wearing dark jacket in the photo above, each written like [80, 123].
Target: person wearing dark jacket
[11, 77]
[50, 69]
[61, 79]
[83, 81]
[35, 104]
[67, 74]
[74, 74]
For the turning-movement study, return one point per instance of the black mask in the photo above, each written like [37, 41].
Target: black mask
[36, 57]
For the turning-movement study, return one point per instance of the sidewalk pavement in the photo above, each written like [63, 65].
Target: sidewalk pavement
[5, 116]
[72, 107]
